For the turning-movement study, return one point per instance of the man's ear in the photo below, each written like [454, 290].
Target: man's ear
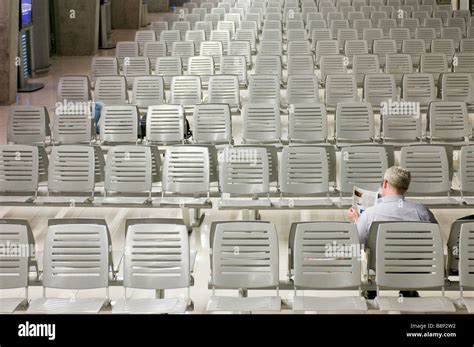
[385, 184]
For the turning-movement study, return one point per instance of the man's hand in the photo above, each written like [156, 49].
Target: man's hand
[353, 215]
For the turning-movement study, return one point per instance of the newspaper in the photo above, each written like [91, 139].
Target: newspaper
[362, 199]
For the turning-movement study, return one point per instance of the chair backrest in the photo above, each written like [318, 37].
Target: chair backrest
[380, 89]
[304, 170]
[332, 64]
[418, 87]
[111, 90]
[429, 169]
[296, 35]
[402, 126]
[268, 65]
[148, 91]
[170, 36]
[186, 90]
[299, 48]
[28, 125]
[182, 27]
[270, 47]
[362, 166]
[234, 65]
[264, 89]
[463, 62]
[212, 48]
[466, 278]
[221, 36]
[157, 254]
[186, 170]
[398, 64]
[135, 67]
[165, 124]
[73, 128]
[128, 170]
[142, 36]
[307, 122]
[261, 122]
[184, 50]
[104, 66]
[196, 36]
[168, 67]
[457, 86]
[76, 255]
[318, 262]
[325, 48]
[119, 124]
[300, 65]
[365, 64]
[224, 89]
[354, 121]
[244, 171]
[419, 266]
[467, 45]
[452, 265]
[382, 47]
[355, 47]
[126, 49]
[71, 169]
[448, 120]
[302, 88]
[159, 26]
[19, 168]
[74, 89]
[212, 123]
[466, 164]
[341, 88]
[243, 35]
[434, 63]
[245, 255]
[16, 253]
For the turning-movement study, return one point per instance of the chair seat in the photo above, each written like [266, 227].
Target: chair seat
[9, 305]
[236, 303]
[150, 306]
[18, 199]
[53, 200]
[173, 201]
[311, 303]
[308, 203]
[441, 304]
[468, 303]
[122, 200]
[244, 204]
[64, 306]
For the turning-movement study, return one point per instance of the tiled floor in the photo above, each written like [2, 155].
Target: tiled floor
[116, 217]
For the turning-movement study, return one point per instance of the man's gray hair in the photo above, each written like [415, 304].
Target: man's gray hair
[398, 177]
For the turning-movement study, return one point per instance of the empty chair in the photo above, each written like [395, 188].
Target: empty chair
[135, 67]
[346, 34]
[15, 234]
[213, 49]
[28, 125]
[228, 26]
[364, 29]
[387, 24]
[19, 167]
[456, 86]
[264, 89]
[302, 88]
[235, 65]
[119, 124]
[429, 168]
[184, 50]
[224, 89]
[307, 122]
[206, 27]
[111, 90]
[400, 34]
[241, 48]
[246, 35]
[300, 65]
[103, 66]
[271, 35]
[444, 46]
[196, 36]
[320, 34]
[76, 127]
[435, 23]
[417, 267]
[354, 122]
[453, 33]
[165, 124]
[299, 48]
[457, 22]
[314, 270]
[74, 89]
[466, 161]
[202, 66]
[401, 127]
[261, 123]
[142, 36]
[410, 23]
[353, 48]
[153, 50]
[465, 276]
[168, 67]
[182, 27]
[340, 88]
[336, 25]
[418, 87]
[449, 121]
[379, 89]
[365, 64]
[186, 90]
[372, 34]
[149, 265]
[159, 26]
[324, 48]
[148, 91]
[426, 34]
[434, 63]
[384, 47]
[126, 49]
[244, 267]
[296, 35]
[212, 124]
[221, 36]
[398, 65]
[170, 36]
[464, 62]
[76, 257]
[332, 64]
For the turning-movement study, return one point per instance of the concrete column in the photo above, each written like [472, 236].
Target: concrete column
[158, 5]
[9, 10]
[77, 26]
[126, 14]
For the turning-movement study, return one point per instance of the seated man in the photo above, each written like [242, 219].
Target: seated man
[392, 206]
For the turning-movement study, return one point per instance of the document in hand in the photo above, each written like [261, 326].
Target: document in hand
[362, 199]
